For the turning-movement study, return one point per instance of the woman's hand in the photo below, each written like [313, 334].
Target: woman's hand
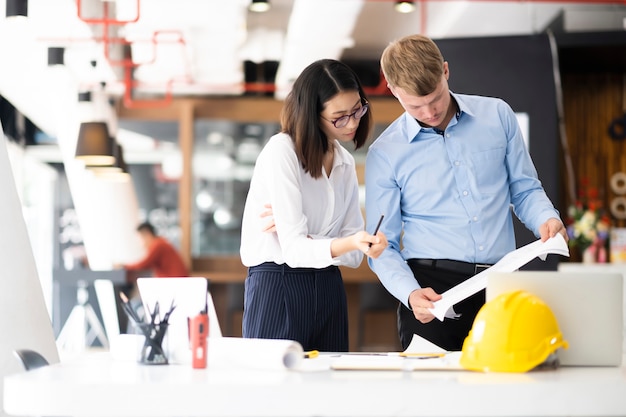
[371, 245]
[270, 226]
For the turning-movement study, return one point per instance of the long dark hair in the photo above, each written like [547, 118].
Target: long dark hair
[300, 116]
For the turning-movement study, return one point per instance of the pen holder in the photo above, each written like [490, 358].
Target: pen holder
[152, 352]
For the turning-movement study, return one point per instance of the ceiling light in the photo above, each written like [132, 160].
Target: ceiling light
[405, 6]
[118, 167]
[259, 6]
[117, 172]
[224, 219]
[204, 201]
[95, 147]
[16, 8]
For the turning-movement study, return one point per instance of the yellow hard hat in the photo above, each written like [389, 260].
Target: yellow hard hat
[514, 332]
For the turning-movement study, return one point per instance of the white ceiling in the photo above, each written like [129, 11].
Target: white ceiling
[198, 46]
[296, 32]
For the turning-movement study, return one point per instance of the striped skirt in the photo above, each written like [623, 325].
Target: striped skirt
[307, 305]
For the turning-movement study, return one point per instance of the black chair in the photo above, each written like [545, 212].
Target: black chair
[30, 359]
[374, 299]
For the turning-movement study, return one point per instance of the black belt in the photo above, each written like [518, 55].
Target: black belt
[460, 267]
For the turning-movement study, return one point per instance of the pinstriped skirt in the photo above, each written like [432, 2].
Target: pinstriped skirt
[307, 305]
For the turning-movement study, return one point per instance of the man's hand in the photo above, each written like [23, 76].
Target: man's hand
[420, 301]
[551, 227]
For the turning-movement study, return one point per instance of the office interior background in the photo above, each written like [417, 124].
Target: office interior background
[191, 90]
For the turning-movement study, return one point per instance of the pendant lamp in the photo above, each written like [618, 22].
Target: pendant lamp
[118, 167]
[95, 147]
[56, 56]
[16, 8]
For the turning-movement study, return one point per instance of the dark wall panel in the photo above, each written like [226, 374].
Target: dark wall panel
[517, 69]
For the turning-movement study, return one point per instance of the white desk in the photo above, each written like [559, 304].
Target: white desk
[97, 386]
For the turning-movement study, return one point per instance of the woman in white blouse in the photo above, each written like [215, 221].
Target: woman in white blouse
[294, 288]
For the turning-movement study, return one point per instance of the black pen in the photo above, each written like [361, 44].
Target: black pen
[130, 311]
[377, 227]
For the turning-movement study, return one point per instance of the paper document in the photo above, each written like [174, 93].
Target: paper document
[510, 262]
[380, 362]
[420, 345]
[421, 354]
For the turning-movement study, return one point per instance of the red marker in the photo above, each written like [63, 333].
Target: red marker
[198, 333]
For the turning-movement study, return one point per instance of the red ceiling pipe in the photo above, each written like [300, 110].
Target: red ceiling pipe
[423, 11]
[153, 40]
[118, 40]
[129, 100]
[259, 87]
[127, 62]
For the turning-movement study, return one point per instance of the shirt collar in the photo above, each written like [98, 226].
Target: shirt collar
[341, 155]
[463, 107]
[413, 128]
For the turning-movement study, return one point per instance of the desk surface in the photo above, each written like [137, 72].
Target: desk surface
[96, 386]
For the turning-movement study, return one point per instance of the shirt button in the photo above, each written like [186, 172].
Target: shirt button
[475, 218]
[481, 247]
[465, 193]
[447, 135]
[457, 163]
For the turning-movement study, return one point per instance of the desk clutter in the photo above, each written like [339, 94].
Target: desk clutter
[223, 352]
[516, 331]
[528, 314]
[154, 330]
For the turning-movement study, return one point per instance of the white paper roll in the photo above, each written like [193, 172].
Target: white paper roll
[267, 354]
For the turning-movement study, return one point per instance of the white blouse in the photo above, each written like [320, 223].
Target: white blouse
[323, 209]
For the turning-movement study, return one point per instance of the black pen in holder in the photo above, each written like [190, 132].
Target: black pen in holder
[152, 352]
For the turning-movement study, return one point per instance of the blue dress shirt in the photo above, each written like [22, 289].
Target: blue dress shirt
[450, 194]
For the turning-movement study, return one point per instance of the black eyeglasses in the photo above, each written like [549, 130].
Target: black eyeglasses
[343, 120]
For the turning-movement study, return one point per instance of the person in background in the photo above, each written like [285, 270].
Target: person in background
[307, 180]
[446, 174]
[161, 257]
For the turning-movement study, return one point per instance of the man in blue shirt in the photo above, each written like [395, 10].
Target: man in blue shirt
[447, 175]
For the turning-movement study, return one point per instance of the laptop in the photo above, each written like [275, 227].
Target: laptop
[588, 308]
[190, 295]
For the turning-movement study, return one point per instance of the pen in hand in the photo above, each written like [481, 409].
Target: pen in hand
[377, 227]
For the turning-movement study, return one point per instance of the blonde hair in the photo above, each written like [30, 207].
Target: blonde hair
[413, 63]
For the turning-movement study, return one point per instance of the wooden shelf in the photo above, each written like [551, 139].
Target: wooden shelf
[240, 109]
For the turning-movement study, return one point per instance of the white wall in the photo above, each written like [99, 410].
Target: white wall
[24, 320]
[108, 214]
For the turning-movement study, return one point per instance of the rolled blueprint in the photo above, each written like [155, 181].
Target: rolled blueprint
[267, 354]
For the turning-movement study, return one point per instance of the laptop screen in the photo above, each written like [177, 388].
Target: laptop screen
[587, 306]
